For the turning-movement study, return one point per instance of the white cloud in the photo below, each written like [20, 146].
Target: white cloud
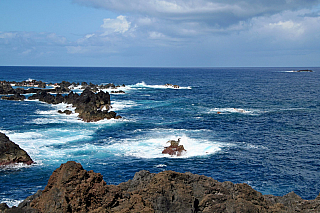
[288, 29]
[215, 26]
[214, 12]
[7, 35]
[118, 25]
[156, 35]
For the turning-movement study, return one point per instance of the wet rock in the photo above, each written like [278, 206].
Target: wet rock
[6, 89]
[174, 149]
[118, 91]
[11, 153]
[15, 97]
[90, 106]
[68, 112]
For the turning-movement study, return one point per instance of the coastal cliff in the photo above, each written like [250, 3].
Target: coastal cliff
[73, 189]
[11, 153]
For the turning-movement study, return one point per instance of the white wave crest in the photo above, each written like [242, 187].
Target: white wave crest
[42, 145]
[11, 202]
[120, 105]
[146, 147]
[144, 85]
[235, 110]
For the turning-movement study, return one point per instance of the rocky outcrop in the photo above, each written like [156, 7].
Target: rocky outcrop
[63, 87]
[6, 89]
[11, 153]
[90, 106]
[174, 149]
[15, 97]
[173, 86]
[73, 189]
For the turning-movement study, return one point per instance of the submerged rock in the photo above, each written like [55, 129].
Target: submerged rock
[73, 189]
[11, 153]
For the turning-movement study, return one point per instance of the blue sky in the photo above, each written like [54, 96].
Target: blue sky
[160, 33]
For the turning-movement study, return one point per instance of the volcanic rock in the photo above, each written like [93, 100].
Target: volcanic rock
[174, 149]
[90, 106]
[11, 153]
[68, 112]
[73, 189]
[15, 97]
[6, 89]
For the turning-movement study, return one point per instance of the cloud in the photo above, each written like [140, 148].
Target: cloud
[191, 30]
[31, 44]
[196, 19]
[213, 12]
[118, 25]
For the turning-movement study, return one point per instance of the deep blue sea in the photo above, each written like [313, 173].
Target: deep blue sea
[259, 126]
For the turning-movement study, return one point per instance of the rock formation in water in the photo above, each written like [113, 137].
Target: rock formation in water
[90, 106]
[174, 149]
[11, 153]
[73, 189]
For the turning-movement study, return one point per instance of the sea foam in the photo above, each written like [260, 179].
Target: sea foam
[151, 145]
[144, 85]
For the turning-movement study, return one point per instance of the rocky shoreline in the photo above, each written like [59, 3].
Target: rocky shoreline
[91, 105]
[73, 189]
[11, 153]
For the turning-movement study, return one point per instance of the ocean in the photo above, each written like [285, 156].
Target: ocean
[259, 126]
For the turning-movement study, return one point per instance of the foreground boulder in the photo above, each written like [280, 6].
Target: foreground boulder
[73, 189]
[11, 153]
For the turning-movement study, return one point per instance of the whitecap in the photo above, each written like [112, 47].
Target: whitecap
[11, 202]
[18, 166]
[144, 85]
[44, 145]
[160, 166]
[120, 105]
[6, 132]
[235, 110]
[152, 145]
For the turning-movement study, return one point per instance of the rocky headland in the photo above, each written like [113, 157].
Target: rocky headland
[11, 153]
[73, 189]
[90, 104]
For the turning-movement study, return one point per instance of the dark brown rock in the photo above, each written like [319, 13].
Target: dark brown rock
[68, 112]
[174, 149]
[11, 153]
[73, 189]
[3, 207]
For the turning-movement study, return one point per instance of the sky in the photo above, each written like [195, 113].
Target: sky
[160, 33]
